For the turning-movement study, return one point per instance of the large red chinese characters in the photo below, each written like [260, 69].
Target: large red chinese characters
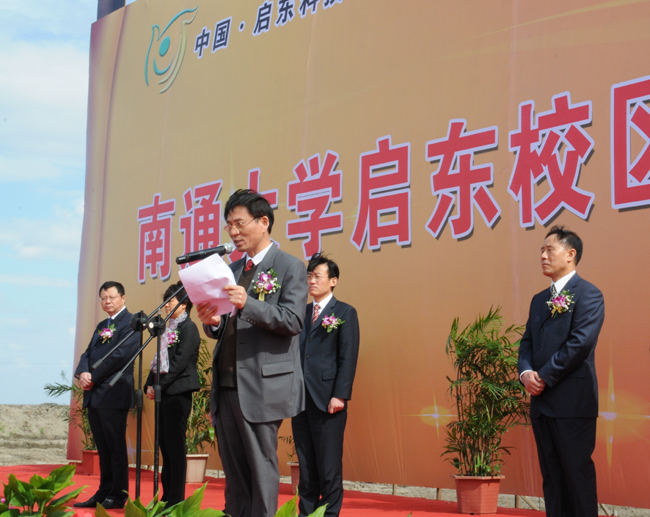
[384, 196]
[155, 240]
[201, 224]
[538, 146]
[631, 120]
[310, 196]
[457, 179]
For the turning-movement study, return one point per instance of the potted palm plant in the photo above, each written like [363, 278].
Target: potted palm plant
[200, 432]
[77, 416]
[489, 400]
[293, 462]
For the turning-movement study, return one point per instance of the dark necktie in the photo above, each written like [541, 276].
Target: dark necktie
[249, 265]
[110, 321]
[553, 292]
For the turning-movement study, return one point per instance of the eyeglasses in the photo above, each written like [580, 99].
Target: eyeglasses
[238, 225]
[111, 298]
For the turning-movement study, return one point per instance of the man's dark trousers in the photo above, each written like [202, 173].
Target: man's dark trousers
[109, 427]
[320, 454]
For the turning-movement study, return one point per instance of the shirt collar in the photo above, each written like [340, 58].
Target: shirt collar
[562, 282]
[260, 256]
[323, 303]
[118, 312]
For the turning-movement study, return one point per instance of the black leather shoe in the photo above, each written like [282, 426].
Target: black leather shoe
[91, 503]
[112, 504]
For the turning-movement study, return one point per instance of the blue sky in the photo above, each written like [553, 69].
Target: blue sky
[43, 108]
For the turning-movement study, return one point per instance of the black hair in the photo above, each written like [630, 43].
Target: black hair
[568, 239]
[320, 258]
[107, 285]
[256, 204]
[172, 289]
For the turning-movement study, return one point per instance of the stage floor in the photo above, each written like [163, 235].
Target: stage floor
[355, 504]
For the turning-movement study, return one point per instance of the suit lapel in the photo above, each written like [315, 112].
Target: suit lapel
[237, 269]
[97, 340]
[546, 314]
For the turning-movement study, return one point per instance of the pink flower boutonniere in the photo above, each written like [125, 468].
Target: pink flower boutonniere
[331, 322]
[561, 303]
[266, 283]
[172, 337]
[107, 333]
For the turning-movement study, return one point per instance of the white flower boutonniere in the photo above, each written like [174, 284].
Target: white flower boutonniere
[266, 283]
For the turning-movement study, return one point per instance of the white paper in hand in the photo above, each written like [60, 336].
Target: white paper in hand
[205, 280]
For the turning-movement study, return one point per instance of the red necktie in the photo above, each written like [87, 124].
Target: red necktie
[316, 311]
[249, 265]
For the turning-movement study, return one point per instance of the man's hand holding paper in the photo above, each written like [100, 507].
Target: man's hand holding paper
[205, 283]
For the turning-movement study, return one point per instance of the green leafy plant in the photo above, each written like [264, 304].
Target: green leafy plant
[290, 509]
[292, 446]
[77, 415]
[191, 507]
[200, 432]
[37, 497]
[486, 391]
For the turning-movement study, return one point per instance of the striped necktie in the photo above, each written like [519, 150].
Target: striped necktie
[316, 312]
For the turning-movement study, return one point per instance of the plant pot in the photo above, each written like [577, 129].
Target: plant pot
[295, 475]
[90, 463]
[477, 494]
[196, 465]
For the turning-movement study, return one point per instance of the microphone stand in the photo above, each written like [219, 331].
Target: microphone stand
[156, 326]
[139, 323]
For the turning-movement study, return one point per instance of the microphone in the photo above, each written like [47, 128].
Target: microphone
[222, 249]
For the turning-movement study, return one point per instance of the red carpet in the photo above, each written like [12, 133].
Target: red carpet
[355, 504]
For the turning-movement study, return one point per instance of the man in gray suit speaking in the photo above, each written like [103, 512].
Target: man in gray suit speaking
[256, 375]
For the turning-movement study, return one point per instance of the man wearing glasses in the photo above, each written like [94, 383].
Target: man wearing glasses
[257, 380]
[108, 407]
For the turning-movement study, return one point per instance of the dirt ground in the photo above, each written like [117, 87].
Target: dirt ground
[32, 435]
[37, 434]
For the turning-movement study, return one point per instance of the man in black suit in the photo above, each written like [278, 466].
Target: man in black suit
[329, 347]
[108, 407]
[556, 365]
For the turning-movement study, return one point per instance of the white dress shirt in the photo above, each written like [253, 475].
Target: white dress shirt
[322, 304]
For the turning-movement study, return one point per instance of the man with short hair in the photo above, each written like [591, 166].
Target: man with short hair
[108, 407]
[556, 365]
[329, 347]
[256, 377]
